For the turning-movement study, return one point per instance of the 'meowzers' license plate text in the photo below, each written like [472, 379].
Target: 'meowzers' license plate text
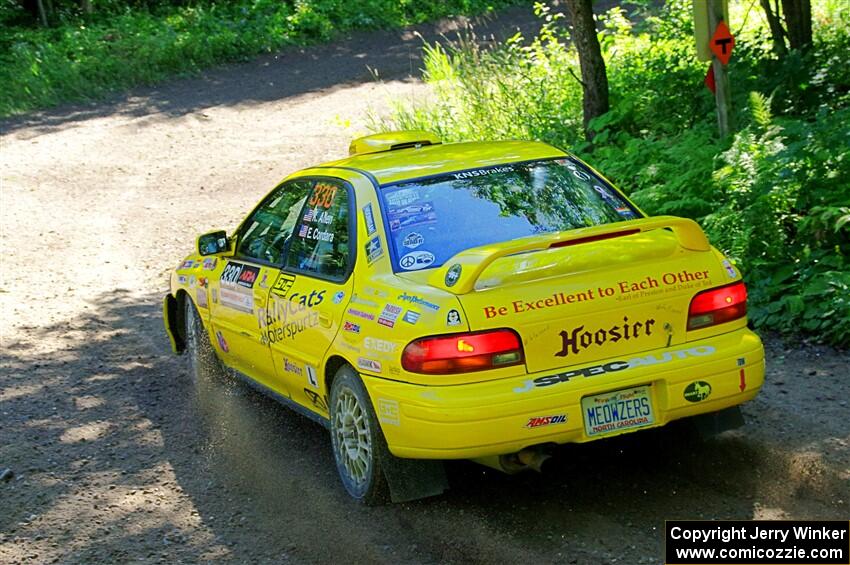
[618, 410]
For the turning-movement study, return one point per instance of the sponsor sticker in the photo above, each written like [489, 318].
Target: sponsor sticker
[411, 216]
[416, 260]
[237, 299]
[338, 297]
[417, 300]
[264, 280]
[222, 342]
[291, 367]
[389, 315]
[540, 421]
[453, 318]
[730, 270]
[181, 279]
[402, 197]
[361, 314]
[201, 298]
[482, 172]
[411, 316]
[697, 391]
[357, 299]
[283, 284]
[453, 274]
[369, 364]
[581, 338]
[210, 263]
[188, 264]
[369, 218]
[380, 345]
[614, 366]
[374, 250]
[351, 327]
[413, 240]
[388, 411]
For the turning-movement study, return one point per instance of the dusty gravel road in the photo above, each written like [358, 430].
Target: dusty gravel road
[117, 458]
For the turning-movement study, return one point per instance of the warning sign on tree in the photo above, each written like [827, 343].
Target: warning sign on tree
[722, 43]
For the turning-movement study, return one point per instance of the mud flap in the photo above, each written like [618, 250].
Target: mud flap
[412, 479]
[171, 319]
[709, 425]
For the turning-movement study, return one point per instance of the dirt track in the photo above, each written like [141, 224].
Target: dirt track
[116, 456]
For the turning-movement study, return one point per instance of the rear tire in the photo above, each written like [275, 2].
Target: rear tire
[359, 447]
[203, 360]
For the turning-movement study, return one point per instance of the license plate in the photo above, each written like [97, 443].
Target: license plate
[617, 411]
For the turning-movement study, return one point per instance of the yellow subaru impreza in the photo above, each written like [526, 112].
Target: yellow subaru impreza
[428, 301]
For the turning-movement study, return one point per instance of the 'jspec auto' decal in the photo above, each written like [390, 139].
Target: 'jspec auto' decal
[615, 366]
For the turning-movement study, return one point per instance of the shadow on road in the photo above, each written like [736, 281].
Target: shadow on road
[110, 416]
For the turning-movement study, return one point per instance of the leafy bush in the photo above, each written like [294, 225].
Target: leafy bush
[775, 197]
[140, 42]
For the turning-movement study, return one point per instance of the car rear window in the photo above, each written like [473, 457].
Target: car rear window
[430, 220]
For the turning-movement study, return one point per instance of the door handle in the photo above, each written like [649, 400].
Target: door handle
[259, 299]
[325, 319]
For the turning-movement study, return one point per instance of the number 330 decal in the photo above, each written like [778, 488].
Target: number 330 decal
[323, 195]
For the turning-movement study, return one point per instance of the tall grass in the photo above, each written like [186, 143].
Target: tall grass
[83, 57]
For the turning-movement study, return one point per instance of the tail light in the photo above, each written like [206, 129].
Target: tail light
[463, 352]
[718, 305]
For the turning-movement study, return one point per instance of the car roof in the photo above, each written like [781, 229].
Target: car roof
[416, 162]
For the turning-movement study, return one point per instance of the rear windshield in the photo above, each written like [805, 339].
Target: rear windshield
[432, 219]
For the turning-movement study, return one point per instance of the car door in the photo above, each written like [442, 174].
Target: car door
[240, 311]
[310, 296]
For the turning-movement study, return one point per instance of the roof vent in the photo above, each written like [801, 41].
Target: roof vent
[391, 141]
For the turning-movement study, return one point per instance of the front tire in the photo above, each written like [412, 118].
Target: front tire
[359, 447]
[203, 361]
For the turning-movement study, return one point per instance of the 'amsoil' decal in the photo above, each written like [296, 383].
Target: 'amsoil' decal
[536, 422]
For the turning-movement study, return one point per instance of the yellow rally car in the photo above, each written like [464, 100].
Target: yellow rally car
[430, 301]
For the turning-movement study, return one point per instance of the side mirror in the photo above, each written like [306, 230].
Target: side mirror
[212, 242]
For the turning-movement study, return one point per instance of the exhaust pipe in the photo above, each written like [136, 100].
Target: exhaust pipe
[512, 463]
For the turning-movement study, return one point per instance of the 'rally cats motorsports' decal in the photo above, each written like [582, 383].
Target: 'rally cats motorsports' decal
[286, 317]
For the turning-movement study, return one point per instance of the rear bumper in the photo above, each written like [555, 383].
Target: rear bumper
[492, 418]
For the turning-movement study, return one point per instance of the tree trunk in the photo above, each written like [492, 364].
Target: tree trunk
[777, 32]
[593, 75]
[798, 22]
[42, 13]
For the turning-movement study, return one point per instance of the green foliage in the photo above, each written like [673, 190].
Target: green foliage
[141, 42]
[785, 194]
[775, 197]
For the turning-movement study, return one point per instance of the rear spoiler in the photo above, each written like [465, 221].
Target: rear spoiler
[473, 262]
